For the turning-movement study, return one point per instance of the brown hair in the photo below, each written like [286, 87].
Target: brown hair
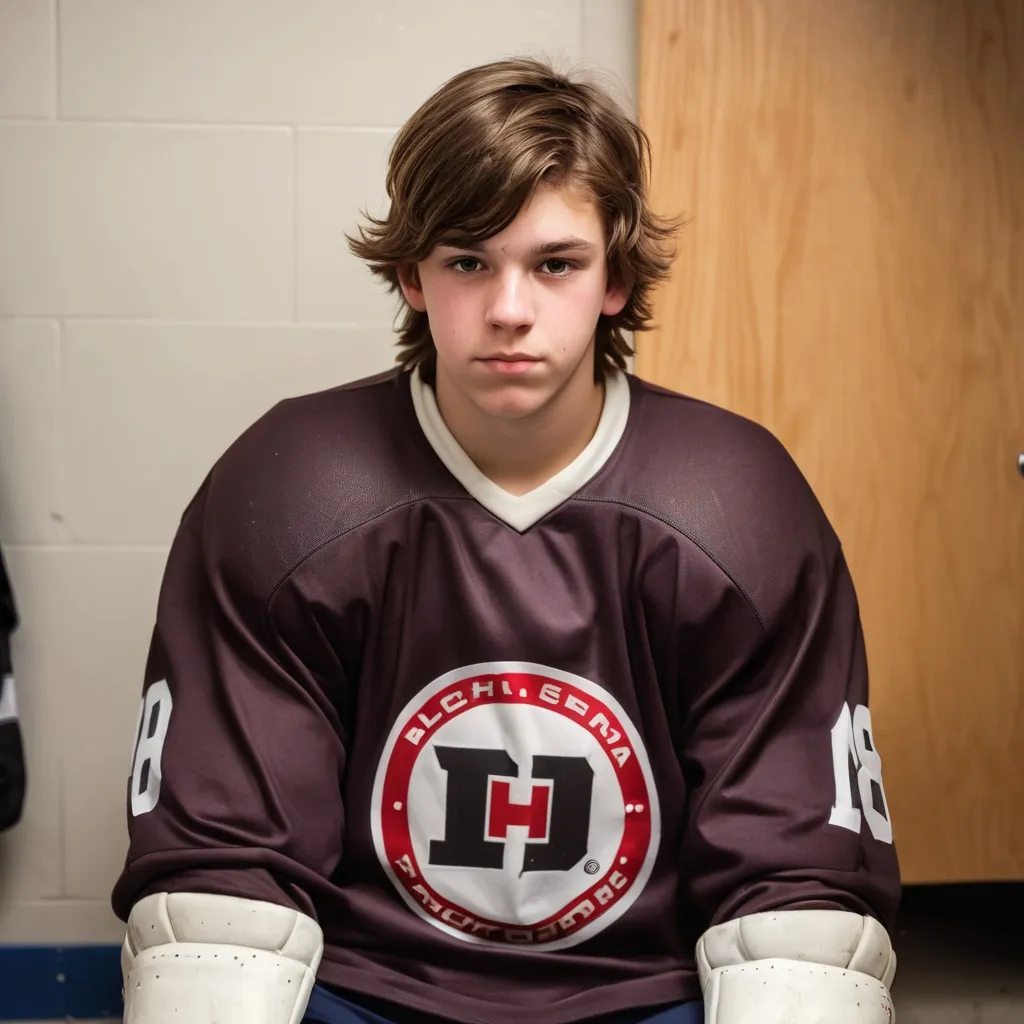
[465, 164]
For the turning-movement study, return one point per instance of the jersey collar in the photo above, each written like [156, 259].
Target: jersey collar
[521, 511]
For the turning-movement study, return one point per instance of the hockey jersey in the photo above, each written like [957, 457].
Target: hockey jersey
[514, 753]
[12, 758]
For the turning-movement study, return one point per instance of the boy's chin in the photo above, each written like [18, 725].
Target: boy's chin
[512, 402]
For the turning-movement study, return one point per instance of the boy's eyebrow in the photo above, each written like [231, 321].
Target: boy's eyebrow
[568, 244]
[571, 244]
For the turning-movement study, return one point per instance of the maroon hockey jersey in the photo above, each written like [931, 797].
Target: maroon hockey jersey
[514, 753]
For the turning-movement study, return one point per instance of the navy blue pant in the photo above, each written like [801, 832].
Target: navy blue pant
[326, 1007]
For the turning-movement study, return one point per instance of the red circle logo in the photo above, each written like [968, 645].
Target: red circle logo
[514, 804]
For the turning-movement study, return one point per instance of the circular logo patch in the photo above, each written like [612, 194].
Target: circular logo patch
[514, 804]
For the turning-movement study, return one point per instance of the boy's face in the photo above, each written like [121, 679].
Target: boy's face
[513, 318]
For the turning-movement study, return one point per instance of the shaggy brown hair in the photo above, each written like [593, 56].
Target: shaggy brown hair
[465, 164]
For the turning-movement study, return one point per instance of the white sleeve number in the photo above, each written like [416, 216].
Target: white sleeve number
[852, 739]
[154, 717]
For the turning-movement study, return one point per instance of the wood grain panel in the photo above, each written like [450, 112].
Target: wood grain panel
[853, 277]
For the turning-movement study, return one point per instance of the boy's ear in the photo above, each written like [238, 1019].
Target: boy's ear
[617, 294]
[409, 280]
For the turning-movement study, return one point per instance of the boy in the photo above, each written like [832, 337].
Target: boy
[505, 686]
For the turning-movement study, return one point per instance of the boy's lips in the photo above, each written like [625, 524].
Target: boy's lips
[510, 363]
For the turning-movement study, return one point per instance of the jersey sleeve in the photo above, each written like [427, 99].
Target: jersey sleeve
[788, 807]
[235, 785]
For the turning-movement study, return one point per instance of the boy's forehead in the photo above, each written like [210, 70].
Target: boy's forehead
[568, 216]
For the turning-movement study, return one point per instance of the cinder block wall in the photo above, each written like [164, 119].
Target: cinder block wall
[175, 181]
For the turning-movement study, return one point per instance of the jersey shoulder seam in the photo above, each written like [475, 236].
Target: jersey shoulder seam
[357, 526]
[693, 540]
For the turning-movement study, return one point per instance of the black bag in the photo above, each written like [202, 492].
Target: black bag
[12, 757]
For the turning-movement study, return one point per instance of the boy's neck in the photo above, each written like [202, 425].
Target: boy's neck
[520, 455]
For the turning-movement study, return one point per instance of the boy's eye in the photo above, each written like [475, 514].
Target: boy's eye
[558, 268]
[465, 264]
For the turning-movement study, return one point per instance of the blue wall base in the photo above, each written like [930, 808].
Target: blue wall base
[60, 982]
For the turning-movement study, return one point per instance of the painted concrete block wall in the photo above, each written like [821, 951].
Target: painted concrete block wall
[175, 181]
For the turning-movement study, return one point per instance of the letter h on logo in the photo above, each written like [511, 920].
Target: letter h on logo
[504, 814]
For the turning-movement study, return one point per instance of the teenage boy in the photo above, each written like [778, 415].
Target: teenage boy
[505, 686]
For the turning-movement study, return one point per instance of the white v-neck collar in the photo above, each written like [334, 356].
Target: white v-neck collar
[521, 511]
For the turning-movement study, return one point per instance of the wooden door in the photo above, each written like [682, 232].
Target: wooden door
[853, 277]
